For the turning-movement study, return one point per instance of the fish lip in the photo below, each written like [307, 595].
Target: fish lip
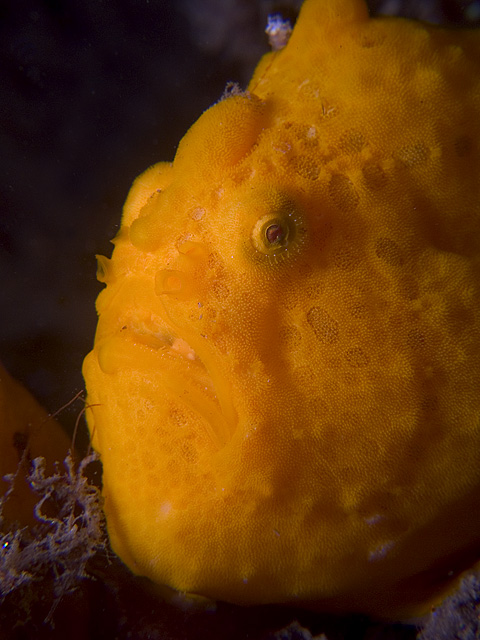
[187, 378]
[164, 340]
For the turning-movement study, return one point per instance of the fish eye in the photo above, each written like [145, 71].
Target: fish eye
[275, 233]
[279, 235]
[270, 234]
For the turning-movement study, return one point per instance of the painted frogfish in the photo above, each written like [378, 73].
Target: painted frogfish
[285, 382]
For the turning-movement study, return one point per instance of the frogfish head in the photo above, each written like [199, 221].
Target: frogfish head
[208, 274]
[284, 382]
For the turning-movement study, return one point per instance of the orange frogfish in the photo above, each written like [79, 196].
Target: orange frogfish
[286, 369]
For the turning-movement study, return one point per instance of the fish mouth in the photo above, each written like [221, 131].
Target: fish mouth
[176, 366]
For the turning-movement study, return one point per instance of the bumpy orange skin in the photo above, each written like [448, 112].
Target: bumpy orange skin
[287, 360]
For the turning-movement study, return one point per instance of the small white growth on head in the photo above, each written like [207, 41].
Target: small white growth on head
[375, 519]
[278, 31]
[381, 551]
[233, 89]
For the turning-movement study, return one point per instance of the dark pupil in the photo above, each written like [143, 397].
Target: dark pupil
[274, 233]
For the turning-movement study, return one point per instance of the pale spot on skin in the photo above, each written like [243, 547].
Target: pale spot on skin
[182, 347]
[164, 510]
